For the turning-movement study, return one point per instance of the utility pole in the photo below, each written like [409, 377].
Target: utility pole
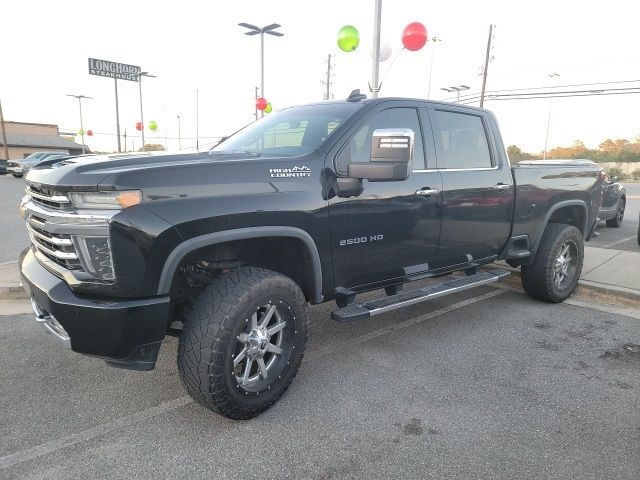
[327, 95]
[546, 137]
[4, 135]
[486, 66]
[255, 99]
[375, 71]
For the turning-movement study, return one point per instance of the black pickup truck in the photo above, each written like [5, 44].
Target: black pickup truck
[227, 248]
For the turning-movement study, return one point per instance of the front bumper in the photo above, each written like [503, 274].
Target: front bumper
[126, 333]
[15, 170]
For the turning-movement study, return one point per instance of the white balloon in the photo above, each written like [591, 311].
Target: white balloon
[385, 50]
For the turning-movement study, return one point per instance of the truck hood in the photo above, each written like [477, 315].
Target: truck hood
[88, 172]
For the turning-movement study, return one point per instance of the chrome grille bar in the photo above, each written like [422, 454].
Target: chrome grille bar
[63, 242]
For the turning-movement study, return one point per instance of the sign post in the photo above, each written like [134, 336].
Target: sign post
[117, 71]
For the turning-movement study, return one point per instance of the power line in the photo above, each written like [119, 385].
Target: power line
[476, 95]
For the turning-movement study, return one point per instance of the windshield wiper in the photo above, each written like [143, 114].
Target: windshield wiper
[235, 153]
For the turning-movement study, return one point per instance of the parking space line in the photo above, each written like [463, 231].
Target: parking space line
[86, 435]
[618, 242]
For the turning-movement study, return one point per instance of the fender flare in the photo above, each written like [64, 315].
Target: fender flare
[188, 246]
[552, 210]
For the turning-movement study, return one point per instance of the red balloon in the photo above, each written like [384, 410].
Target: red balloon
[139, 126]
[414, 36]
[89, 133]
[261, 103]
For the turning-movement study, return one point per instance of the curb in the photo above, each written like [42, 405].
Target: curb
[12, 291]
[587, 290]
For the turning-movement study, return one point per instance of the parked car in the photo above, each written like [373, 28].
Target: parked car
[226, 249]
[20, 167]
[3, 167]
[638, 229]
[614, 201]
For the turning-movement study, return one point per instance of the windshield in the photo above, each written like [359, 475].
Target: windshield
[291, 132]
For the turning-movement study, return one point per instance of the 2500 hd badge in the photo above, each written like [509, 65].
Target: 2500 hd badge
[357, 240]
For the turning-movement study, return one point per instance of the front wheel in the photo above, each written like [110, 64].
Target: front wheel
[243, 342]
[17, 175]
[556, 269]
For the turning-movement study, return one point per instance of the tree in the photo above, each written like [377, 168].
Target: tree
[516, 154]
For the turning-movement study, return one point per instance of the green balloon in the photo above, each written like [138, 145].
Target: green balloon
[153, 126]
[80, 132]
[348, 38]
[268, 109]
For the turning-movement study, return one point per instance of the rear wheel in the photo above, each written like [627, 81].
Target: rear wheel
[17, 175]
[243, 342]
[556, 269]
[616, 221]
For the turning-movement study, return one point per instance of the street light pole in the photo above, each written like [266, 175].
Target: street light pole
[457, 89]
[179, 134]
[140, 75]
[269, 30]
[80, 97]
[375, 71]
[434, 40]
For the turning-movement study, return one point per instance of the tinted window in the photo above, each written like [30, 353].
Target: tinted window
[294, 131]
[359, 147]
[461, 141]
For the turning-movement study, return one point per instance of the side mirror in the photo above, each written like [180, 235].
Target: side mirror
[615, 179]
[391, 156]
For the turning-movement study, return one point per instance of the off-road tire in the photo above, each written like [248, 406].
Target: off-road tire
[17, 175]
[538, 278]
[616, 221]
[210, 338]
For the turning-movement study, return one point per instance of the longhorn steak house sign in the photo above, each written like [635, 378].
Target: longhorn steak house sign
[119, 71]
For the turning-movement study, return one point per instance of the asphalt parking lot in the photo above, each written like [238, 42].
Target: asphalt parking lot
[484, 384]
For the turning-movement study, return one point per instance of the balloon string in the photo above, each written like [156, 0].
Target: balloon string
[389, 68]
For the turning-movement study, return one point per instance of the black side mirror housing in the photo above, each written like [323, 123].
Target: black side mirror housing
[391, 157]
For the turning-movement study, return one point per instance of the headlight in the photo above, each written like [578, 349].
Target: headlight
[95, 256]
[106, 200]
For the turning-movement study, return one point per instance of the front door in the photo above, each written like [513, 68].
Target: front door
[389, 230]
[478, 191]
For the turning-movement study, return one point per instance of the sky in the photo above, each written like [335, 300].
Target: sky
[197, 45]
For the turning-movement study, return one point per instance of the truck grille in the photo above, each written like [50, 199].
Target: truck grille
[48, 198]
[58, 248]
[74, 240]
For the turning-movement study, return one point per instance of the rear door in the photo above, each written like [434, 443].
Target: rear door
[478, 191]
[389, 230]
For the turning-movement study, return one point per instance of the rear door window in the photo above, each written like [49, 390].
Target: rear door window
[461, 140]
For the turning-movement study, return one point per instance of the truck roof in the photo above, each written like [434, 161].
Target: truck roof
[371, 101]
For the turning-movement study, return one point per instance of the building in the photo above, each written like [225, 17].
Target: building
[24, 139]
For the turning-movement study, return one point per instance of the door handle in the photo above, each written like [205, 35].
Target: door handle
[426, 192]
[501, 186]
